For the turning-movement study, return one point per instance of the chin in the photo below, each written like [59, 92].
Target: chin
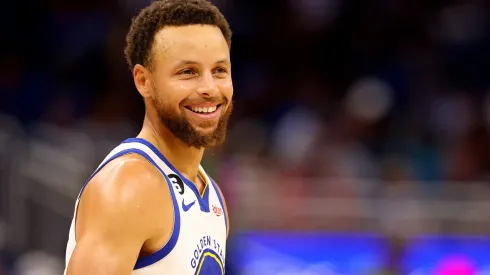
[205, 131]
[205, 127]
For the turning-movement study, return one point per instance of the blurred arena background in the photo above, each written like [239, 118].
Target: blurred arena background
[360, 142]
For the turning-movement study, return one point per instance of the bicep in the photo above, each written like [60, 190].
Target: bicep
[115, 217]
[95, 253]
[109, 238]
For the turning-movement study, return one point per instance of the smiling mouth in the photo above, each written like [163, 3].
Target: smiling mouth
[204, 110]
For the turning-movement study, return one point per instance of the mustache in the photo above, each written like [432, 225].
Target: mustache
[215, 100]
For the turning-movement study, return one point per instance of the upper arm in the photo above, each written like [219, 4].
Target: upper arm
[116, 217]
[225, 208]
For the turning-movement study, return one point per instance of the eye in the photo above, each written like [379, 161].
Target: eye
[221, 70]
[187, 71]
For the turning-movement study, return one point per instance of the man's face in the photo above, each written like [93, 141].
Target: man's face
[191, 83]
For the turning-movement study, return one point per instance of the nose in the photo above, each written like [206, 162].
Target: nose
[208, 87]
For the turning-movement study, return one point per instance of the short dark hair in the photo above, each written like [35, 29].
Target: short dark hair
[163, 13]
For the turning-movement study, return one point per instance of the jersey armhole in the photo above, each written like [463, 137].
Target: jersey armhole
[221, 201]
[102, 165]
[169, 246]
[174, 237]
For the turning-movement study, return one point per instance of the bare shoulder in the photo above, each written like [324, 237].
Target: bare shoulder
[123, 212]
[128, 192]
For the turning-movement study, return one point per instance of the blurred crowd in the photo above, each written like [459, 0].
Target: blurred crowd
[402, 84]
[334, 99]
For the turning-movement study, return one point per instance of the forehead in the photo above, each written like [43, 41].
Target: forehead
[200, 43]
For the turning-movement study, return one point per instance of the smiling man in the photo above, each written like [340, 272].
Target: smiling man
[149, 208]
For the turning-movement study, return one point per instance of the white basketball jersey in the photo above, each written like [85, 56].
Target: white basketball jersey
[198, 242]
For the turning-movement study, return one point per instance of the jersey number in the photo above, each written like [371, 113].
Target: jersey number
[177, 182]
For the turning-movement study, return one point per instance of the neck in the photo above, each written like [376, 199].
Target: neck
[184, 158]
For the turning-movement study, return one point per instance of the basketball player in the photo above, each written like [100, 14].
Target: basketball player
[149, 208]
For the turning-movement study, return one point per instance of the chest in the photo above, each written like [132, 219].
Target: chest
[202, 226]
[198, 239]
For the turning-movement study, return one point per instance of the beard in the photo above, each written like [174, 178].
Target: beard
[182, 128]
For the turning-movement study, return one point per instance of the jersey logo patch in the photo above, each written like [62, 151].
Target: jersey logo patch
[217, 210]
[210, 264]
[177, 182]
[186, 207]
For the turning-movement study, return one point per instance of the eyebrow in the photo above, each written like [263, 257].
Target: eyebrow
[223, 61]
[190, 62]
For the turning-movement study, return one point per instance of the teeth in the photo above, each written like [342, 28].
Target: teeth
[204, 109]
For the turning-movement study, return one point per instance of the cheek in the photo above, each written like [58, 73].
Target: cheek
[178, 92]
[227, 89]
[183, 87]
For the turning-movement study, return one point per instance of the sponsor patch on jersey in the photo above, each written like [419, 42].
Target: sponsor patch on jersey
[217, 210]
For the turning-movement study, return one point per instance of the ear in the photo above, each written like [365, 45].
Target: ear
[142, 80]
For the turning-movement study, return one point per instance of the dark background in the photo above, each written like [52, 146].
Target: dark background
[351, 116]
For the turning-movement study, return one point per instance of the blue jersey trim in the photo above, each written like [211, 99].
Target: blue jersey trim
[203, 201]
[220, 198]
[169, 246]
